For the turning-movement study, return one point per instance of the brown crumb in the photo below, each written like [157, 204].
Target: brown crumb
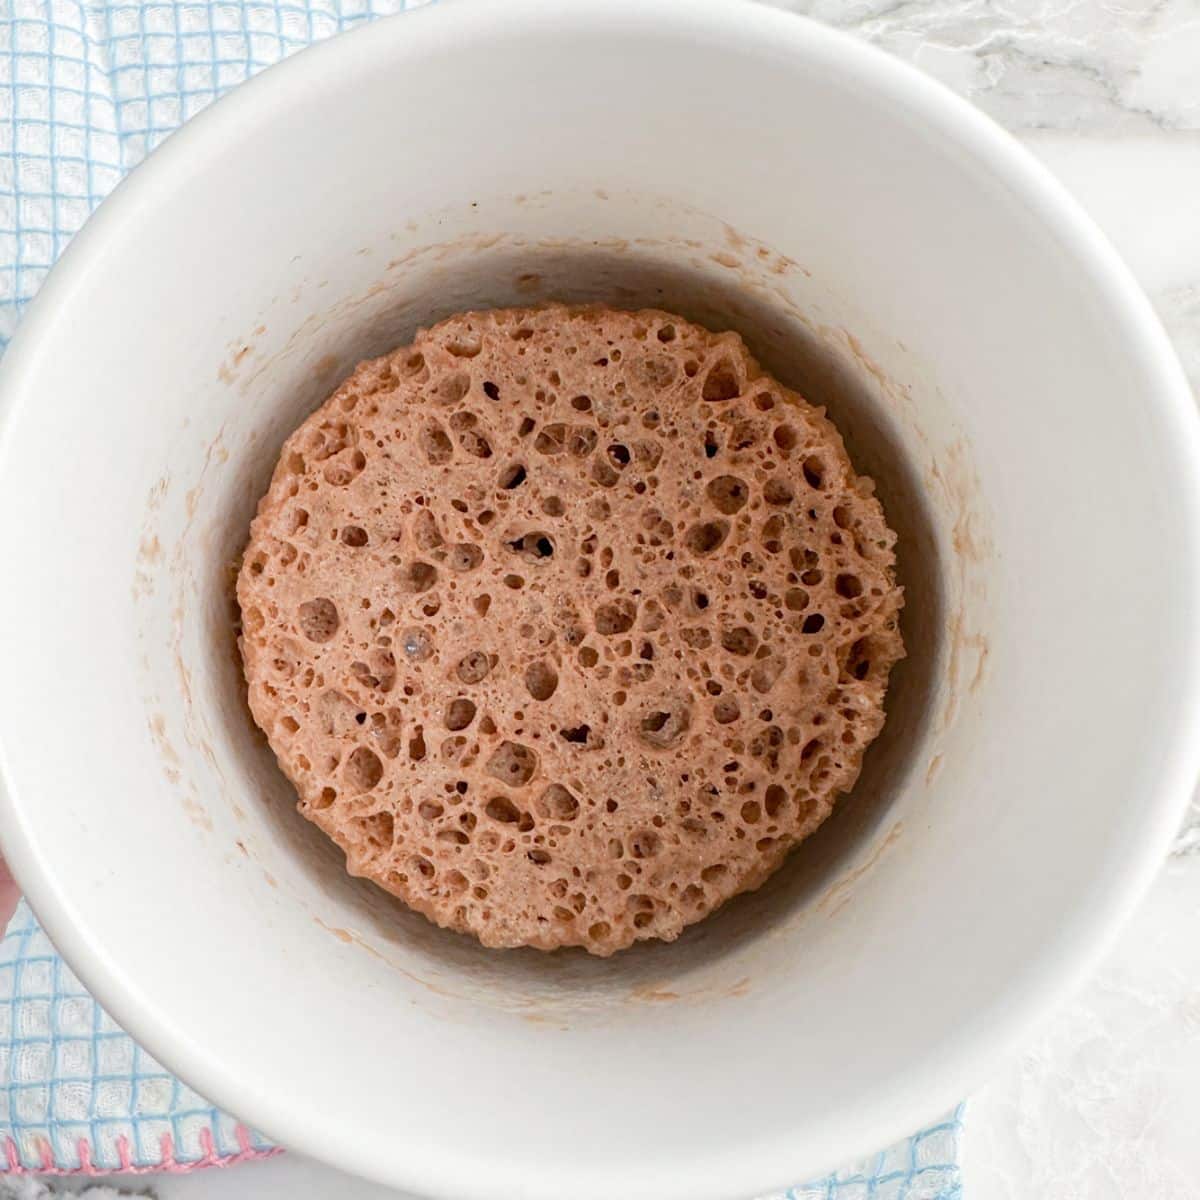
[568, 624]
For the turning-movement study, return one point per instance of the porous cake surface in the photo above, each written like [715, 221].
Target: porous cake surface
[568, 624]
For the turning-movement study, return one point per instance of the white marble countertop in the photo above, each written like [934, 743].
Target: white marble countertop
[1103, 1104]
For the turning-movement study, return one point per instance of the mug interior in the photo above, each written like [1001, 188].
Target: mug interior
[683, 276]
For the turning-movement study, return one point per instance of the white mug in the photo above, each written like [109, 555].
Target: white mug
[885, 249]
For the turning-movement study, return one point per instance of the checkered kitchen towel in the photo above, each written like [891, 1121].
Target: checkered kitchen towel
[87, 89]
[77, 1093]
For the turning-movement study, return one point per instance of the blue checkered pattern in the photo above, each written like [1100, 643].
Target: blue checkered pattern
[925, 1167]
[87, 89]
[69, 1076]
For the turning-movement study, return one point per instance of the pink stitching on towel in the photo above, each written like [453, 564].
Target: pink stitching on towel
[206, 1144]
[246, 1153]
